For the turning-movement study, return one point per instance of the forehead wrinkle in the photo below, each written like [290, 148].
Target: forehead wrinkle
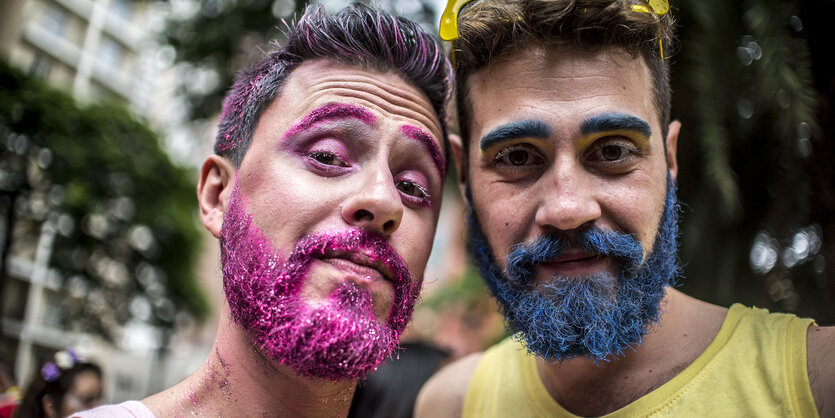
[398, 94]
[570, 91]
[391, 93]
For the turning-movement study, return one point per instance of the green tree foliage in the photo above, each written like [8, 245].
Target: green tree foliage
[755, 229]
[127, 235]
[225, 36]
[222, 37]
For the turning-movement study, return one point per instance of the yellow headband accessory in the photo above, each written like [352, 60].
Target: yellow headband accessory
[658, 7]
[449, 19]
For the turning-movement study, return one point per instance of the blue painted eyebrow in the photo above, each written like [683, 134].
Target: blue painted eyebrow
[530, 128]
[615, 121]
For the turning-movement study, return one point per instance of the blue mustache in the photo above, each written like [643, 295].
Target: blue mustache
[525, 257]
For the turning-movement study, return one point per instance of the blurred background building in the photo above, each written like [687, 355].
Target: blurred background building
[95, 49]
[98, 51]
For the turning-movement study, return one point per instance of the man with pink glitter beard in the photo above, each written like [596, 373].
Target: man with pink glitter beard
[324, 193]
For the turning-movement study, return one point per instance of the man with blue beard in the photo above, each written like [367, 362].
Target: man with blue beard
[568, 159]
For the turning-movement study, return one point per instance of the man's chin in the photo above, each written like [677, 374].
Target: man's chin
[348, 293]
[570, 318]
[339, 340]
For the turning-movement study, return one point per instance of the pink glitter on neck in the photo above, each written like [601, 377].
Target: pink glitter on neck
[330, 112]
[193, 398]
[337, 341]
[428, 142]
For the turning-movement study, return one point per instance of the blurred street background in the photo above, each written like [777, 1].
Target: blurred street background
[108, 107]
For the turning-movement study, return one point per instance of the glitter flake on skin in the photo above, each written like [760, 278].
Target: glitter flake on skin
[338, 340]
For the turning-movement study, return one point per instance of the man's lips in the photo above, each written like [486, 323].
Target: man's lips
[356, 250]
[359, 262]
[575, 256]
[577, 262]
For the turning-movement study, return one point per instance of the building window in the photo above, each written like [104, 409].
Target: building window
[111, 52]
[122, 8]
[55, 20]
[40, 67]
[14, 298]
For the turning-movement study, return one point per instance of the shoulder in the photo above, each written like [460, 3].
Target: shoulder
[443, 395]
[129, 409]
[820, 361]
[690, 325]
[163, 403]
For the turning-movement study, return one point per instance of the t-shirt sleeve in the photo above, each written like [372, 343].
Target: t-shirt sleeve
[129, 409]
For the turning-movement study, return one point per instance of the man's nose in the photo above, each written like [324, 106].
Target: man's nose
[568, 200]
[375, 206]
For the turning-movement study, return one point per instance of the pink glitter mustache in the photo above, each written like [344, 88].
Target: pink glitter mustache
[339, 339]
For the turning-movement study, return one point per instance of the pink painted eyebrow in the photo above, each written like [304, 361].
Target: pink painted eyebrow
[428, 142]
[330, 112]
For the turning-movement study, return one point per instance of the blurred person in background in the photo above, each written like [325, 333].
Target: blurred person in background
[324, 192]
[391, 390]
[9, 391]
[568, 161]
[63, 385]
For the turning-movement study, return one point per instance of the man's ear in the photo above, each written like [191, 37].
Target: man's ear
[460, 162]
[672, 147]
[217, 177]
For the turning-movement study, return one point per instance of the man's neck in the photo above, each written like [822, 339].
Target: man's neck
[237, 380]
[686, 328]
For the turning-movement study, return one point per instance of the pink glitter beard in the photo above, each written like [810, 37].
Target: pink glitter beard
[337, 341]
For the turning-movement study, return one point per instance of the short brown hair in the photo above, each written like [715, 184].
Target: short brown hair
[490, 30]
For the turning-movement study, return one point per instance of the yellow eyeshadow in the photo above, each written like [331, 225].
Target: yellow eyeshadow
[504, 144]
[638, 137]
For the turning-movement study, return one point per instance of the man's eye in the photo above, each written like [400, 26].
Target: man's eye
[327, 158]
[518, 156]
[411, 189]
[612, 152]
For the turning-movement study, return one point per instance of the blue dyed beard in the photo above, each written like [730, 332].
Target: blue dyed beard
[597, 316]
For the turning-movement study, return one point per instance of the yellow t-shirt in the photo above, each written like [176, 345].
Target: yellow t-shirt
[755, 367]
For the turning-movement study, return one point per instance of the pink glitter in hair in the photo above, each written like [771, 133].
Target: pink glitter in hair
[339, 340]
[331, 111]
[426, 140]
[235, 103]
